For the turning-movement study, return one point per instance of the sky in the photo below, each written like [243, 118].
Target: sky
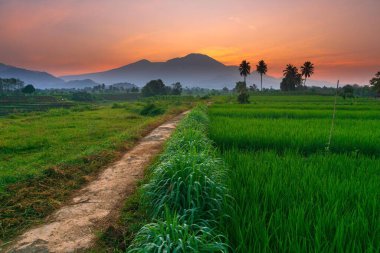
[341, 37]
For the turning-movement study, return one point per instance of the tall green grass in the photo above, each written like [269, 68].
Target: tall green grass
[185, 195]
[290, 195]
[291, 203]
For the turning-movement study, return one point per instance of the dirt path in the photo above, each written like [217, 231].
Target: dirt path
[73, 226]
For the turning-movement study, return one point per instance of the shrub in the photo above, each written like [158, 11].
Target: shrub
[243, 97]
[151, 110]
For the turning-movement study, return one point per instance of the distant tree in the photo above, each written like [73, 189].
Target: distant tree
[245, 69]
[82, 96]
[375, 83]
[8, 85]
[292, 79]
[253, 87]
[243, 95]
[348, 91]
[154, 88]
[307, 70]
[262, 68]
[240, 86]
[135, 89]
[225, 89]
[176, 88]
[29, 89]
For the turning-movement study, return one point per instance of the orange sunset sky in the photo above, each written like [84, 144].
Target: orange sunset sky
[341, 37]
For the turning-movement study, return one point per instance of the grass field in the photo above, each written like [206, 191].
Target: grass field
[290, 194]
[45, 155]
[24, 104]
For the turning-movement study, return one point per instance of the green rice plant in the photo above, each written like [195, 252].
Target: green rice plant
[289, 194]
[188, 183]
[289, 203]
[175, 235]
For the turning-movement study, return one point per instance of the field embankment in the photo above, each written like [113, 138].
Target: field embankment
[185, 194]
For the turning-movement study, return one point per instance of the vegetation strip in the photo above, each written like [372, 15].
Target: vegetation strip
[185, 195]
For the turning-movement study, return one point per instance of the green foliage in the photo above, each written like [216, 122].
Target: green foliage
[185, 194]
[243, 95]
[289, 194]
[82, 96]
[175, 235]
[348, 91]
[375, 82]
[292, 79]
[10, 85]
[154, 88]
[151, 110]
[176, 89]
[29, 89]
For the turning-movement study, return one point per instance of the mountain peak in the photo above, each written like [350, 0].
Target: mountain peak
[196, 59]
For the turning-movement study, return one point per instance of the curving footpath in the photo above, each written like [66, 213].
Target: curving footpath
[73, 227]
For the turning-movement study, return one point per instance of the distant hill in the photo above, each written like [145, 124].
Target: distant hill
[80, 84]
[192, 70]
[37, 78]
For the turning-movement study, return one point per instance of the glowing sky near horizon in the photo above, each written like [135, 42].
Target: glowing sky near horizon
[341, 37]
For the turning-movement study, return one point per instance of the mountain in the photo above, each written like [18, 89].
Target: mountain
[37, 78]
[192, 70]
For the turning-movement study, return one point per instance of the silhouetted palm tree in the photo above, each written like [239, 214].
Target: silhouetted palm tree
[307, 69]
[244, 69]
[290, 70]
[292, 79]
[262, 68]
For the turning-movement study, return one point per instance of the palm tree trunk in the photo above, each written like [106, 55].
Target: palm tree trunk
[244, 80]
[261, 76]
[304, 83]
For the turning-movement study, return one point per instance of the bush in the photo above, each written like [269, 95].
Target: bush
[152, 110]
[243, 97]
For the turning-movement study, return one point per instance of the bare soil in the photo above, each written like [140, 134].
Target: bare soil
[73, 227]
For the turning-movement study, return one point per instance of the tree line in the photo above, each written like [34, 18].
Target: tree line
[14, 85]
[293, 79]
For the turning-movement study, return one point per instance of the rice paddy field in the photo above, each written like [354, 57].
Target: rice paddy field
[292, 193]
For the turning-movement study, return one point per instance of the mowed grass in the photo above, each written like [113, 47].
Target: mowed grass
[44, 156]
[290, 194]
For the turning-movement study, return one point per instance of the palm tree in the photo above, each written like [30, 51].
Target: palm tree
[307, 69]
[290, 70]
[262, 68]
[244, 69]
[292, 79]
